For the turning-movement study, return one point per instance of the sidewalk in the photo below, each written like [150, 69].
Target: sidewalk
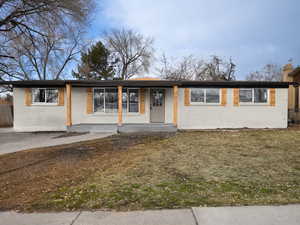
[254, 215]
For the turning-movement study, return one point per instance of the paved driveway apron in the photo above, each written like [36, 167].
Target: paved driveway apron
[14, 142]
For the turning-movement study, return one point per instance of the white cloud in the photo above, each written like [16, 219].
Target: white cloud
[252, 32]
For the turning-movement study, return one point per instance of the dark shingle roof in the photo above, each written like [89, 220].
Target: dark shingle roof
[145, 83]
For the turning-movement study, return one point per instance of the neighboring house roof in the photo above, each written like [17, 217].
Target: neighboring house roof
[146, 83]
[295, 72]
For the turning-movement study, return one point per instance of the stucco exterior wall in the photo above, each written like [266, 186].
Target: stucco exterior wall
[37, 117]
[229, 116]
[53, 118]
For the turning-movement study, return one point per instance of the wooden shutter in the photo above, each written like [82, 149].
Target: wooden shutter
[187, 98]
[89, 101]
[223, 96]
[61, 96]
[272, 97]
[142, 100]
[236, 96]
[28, 96]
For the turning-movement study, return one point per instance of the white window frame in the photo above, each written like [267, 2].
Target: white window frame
[127, 108]
[205, 103]
[255, 103]
[44, 103]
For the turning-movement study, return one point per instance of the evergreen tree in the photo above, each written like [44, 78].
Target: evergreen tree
[95, 64]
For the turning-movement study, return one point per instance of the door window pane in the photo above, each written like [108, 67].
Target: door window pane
[157, 97]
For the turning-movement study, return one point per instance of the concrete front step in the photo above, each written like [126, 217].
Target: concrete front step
[152, 127]
[94, 128]
[124, 128]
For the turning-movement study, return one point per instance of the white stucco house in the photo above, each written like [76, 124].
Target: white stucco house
[147, 104]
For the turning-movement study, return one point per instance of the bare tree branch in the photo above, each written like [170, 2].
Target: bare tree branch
[191, 68]
[132, 52]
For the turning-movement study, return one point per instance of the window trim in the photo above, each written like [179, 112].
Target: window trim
[44, 103]
[255, 103]
[206, 103]
[115, 113]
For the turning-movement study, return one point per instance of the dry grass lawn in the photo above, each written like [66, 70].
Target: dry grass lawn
[130, 172]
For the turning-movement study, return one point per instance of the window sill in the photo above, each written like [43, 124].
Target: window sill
[206, 104]
[114, 114]
[254, 104]
[45, 104]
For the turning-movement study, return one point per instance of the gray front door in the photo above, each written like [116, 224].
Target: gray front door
[157, 105]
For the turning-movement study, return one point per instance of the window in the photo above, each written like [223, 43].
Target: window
[253, 95]
[133, 103]
[106, 100]
[130, 100]
[45, 95]
[205, 95]
[246, 95]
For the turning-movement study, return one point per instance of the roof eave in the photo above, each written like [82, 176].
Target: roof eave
[148, 83]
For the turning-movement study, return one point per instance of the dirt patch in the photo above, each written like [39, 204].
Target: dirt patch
[26, 176]
[138, 171]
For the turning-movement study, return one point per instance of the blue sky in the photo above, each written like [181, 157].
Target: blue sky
[253, 33]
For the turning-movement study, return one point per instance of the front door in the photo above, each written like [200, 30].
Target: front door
[157, 105]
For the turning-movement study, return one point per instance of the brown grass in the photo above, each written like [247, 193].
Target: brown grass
[141, 172]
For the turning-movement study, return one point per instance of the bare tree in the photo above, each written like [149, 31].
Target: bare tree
[186, 68]
[131, 52]
[270, 72]
[18, 17]
[43, 58]
[191, 68]
[33, 23]
[218, 69]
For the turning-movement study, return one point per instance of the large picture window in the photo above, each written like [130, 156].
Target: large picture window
[45, 95]
[253, 95]
[106, 100]
[205, 95]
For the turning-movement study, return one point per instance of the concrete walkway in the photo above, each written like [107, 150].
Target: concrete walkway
[14, 142]
[252, 215]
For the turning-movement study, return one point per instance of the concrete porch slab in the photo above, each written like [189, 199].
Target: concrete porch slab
[94, 128]
[147, 127]
[124, 128]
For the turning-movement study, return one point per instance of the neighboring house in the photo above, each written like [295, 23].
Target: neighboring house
[293, 75]
[6, 112]
[137, 105]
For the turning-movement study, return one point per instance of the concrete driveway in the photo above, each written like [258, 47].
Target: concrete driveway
[14, 142]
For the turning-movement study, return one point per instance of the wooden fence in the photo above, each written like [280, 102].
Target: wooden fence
[6, 113]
